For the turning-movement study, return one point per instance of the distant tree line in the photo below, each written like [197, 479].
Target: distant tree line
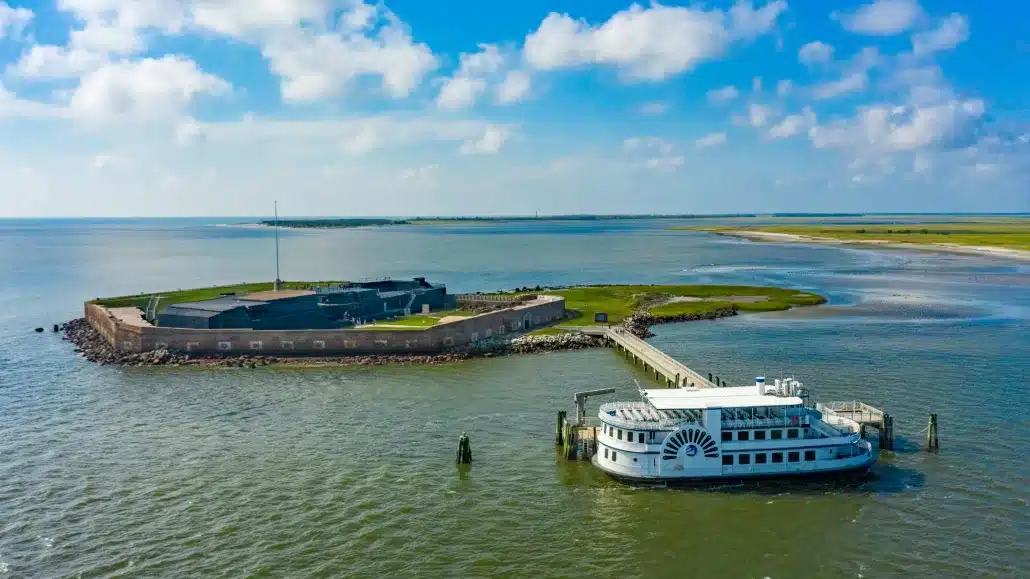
[334, 223]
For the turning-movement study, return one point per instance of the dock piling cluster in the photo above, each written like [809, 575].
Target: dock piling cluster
[887, 432]
[575, 441]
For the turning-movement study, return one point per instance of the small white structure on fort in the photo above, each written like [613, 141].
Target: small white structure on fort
[702, 434]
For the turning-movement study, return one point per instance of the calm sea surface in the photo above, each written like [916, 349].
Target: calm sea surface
[349, 472]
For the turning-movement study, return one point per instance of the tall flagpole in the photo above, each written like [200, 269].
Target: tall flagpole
[277, 281]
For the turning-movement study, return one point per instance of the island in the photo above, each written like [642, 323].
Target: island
[353, 222]
[331, 223]
[995, 237]
[388, 321]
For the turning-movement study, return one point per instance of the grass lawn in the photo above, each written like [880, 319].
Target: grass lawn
[620, 301]
[1009, 233]
[207, 293]
[415, 322]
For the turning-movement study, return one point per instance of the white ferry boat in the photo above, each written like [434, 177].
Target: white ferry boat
[697, 435]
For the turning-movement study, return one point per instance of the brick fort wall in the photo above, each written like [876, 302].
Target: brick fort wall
[519, 318]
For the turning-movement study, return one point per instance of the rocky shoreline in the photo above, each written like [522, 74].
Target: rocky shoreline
[640, 323]
[92, 346]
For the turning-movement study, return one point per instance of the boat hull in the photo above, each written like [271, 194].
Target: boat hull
[687, 480]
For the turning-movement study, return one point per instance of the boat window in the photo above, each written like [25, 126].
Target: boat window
[760, 458]
[606, 453]
[759, 435]
[776, 434]
[640, 438]
[793, 457]
[777, 457]
[727, 435]
[727, 459]
[744, 435]
[809, 455]
[620, 434]
[792, 433]
[743, 459]
[614, 454]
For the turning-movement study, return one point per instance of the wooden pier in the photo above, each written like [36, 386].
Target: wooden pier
[661, 365]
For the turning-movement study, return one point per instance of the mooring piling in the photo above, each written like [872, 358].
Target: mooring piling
[887, 432]
[933, 444]
[464, 455]
[559, 436]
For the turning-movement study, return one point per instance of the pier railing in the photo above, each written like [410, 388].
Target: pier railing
[854, 410]
[661, 362]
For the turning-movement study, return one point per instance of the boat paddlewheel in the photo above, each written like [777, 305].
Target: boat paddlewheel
[692, 441]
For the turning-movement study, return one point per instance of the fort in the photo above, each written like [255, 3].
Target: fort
[391, 321]
[320, 322]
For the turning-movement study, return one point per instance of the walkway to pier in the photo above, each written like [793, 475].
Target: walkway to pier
[654, 360]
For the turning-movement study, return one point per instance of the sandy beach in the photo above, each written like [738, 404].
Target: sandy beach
[768, 236]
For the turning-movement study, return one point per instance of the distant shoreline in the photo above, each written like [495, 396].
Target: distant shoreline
[350, 223]
[768, 236]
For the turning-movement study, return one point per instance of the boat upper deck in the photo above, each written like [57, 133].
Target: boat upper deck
[702, 398]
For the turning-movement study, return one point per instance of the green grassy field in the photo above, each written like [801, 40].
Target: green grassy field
[620, 301]
[417, 321]
[1009, 233]
[207, 293]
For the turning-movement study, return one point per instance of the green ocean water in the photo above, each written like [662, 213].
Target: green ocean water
[349, 472]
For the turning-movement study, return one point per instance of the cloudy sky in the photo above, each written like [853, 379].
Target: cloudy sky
[448, 107]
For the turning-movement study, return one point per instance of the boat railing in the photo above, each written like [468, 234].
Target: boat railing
[780, 422]
[837, 426]
[634, 423]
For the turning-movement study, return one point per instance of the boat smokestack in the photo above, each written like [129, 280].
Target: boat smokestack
[760, 385]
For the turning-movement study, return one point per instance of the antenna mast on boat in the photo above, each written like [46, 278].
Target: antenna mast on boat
[278, 282]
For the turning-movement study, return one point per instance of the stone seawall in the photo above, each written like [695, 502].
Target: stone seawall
[134, 339]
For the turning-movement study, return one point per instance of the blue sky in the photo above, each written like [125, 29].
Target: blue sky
[404, 107]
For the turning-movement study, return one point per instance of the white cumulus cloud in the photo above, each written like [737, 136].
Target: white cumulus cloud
[816, 52]
[792, 125]
[883, 17]
[13, 20]
[722, 95]
[460, 92]
[711, 140]
[646, 44]
[514, 88]
[490, 142]
[316, 65]
[145, 88]
[953, 31]
[886, 129]
[851, 83]
[472, 79]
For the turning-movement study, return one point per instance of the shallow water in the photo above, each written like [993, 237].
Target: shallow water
[349, 472]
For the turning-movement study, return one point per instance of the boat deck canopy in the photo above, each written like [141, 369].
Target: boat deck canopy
[695, 399]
